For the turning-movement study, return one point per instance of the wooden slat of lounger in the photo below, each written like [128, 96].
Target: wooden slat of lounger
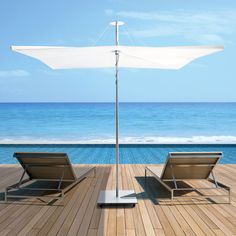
[43, 158]
[190, 165]
[197, 154]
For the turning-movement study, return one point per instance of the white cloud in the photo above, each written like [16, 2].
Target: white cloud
[199, 26]
[13, 73]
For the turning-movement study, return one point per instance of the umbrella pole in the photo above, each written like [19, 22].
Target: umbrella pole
[117, 113]
[120, 197]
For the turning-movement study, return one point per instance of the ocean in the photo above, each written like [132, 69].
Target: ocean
[139, 123]
[148, 131]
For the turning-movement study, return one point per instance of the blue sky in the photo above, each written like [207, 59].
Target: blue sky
[148, 23]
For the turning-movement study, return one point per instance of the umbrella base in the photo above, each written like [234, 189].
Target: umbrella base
[126, 197]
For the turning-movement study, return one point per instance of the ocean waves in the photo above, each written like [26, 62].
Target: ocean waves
[124, 140]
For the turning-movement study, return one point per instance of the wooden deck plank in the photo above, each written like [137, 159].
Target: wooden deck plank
[112, 221]
[142, 206]
[83, 230]
[138, 222]
[103, 222]
[87, 204]
[78, 213]
[149, 204]
[59, 210]
[120, 213]
[129, 220]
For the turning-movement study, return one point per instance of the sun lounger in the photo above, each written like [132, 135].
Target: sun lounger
[181, 166]
[54, 168]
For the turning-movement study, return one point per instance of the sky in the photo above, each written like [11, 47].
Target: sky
[147, 23]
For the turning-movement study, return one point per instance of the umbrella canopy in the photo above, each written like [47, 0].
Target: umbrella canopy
[129, 57]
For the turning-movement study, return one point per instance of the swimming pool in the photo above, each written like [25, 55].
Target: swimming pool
[105, 153]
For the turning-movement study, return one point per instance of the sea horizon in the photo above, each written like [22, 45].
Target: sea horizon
[65, 102]
[140, 123]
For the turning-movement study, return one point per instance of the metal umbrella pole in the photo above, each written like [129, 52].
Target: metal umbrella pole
[117, 196]
[117, 111]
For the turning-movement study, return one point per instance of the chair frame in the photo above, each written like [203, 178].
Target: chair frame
[218, 185]
[60, 191]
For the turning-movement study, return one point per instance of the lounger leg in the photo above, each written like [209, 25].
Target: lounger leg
[213, 176]
[5, 195]
[61, 179]
[145, 176]
[173, 176]
[22, 176]
[172, 196]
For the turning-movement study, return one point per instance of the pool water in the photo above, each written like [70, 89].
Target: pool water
[105, 153]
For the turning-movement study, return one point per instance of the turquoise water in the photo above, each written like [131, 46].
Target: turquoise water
[139, 122]
[105, 154]
[197, 125]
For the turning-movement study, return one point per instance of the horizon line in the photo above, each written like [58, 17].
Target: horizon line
[119, 102]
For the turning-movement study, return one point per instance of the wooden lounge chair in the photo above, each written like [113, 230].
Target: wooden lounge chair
[181, 166]
[54, 168]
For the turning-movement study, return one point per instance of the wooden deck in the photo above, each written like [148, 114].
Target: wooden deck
[78, 214]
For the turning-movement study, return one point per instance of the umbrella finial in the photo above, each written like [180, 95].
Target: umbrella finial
[117, 24]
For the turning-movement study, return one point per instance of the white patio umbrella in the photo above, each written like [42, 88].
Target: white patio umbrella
[116, 57]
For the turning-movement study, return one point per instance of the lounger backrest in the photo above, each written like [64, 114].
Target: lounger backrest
[46, 165]
[190, 165]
